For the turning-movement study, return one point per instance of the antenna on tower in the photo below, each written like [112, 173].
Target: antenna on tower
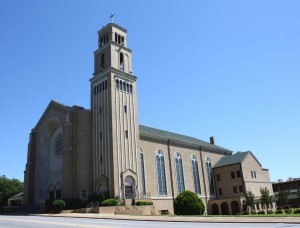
[112, 17]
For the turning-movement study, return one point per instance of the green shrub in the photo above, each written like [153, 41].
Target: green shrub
[58, 205]
[140, 203]
[270, 212]
[289, 211]
[253, 212]
[297, 211]
[109, 202]
[245, 213]
[188, 203]
[279, 212]
[261, 213]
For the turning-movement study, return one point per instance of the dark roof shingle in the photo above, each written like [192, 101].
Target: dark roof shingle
[166, 135]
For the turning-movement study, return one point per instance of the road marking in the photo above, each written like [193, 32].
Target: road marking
[53, 223]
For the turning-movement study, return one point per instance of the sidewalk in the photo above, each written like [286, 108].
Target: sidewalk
[216, 219]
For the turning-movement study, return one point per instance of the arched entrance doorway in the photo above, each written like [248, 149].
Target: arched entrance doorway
[129, 187]
[215, 209]
[224, 208]
[235, 209]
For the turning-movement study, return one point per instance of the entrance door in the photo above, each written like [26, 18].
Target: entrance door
[128, 192]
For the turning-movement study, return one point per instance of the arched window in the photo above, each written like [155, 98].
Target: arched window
[121, 61]
[124, 86]
[127, 86]
[105, 84]
[130, 89]
[143, 172]
[98, 89]
[161, 174]
[116, 37]
[195, 171]
[117, 84]
[123, 40]
[210, 176]
[121, 88]
[95, 90]
[119, 39]
[179, 172]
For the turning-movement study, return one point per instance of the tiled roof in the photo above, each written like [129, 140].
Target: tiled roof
[166, 135]
[232, 159]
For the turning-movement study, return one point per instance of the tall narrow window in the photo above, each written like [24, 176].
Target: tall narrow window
[117, 84]
[179, 173]
[210, 176]
[121, 61]
[161, 174]
[116, 37]
[102, 61]
[125, 108]
[143, 173]
[130, 89]
[123, 43]
[196, 175]
[126, 134]
[121, 85]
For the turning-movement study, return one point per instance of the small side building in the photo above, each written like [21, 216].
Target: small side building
[234, 175]
[291, 186]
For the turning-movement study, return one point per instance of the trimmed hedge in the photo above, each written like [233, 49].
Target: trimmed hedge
[141, 203]
[269, 212]
[70, 204]
[288, 211]
[297, 211]
[188, 203]
[58, 205]
[279, 212]
[109, 202]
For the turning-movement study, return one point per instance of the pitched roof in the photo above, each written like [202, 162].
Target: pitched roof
[234, 159]
[17, 195]
[154, 133]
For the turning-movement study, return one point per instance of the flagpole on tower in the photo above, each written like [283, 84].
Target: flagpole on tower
[112, 17]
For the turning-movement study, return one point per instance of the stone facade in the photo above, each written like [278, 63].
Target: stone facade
[79, 153]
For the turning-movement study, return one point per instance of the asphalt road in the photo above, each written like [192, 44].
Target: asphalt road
[58, 222]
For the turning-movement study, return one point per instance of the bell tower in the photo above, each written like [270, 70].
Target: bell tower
[115, 119]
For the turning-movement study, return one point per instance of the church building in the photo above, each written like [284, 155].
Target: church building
[77, 153]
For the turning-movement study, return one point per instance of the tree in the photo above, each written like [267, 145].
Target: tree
[249, 199]
[188, 203]
[8, 188]
[282, 198]
[265, 198]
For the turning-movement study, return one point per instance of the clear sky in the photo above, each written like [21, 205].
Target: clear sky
[230, 69]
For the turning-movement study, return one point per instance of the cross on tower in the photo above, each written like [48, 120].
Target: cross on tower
[112, 17]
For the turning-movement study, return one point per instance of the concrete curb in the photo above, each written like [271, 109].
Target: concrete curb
[217, 219]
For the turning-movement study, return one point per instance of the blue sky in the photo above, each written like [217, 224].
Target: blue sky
[224, 68]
